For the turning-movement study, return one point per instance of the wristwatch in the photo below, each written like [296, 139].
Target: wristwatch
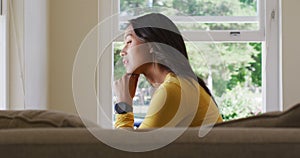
[123, 108]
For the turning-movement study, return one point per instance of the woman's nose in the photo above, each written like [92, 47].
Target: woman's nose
[123, 52]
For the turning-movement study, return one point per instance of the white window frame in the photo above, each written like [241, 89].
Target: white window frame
[4, 55]
[269, 34]
[272, 58]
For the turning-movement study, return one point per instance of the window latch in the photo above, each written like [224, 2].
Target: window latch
[235, 34]
[273, 14]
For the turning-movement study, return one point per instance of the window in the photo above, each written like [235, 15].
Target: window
[3, 55]
[245, 32]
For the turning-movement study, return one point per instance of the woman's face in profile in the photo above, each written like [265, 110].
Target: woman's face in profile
[135, 53]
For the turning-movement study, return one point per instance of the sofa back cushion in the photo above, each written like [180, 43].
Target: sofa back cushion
[289, 118]
[38, 118]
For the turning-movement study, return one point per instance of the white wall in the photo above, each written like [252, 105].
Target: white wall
[290, 52]
[70, 21]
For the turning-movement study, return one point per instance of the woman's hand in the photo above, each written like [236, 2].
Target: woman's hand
[125, 87]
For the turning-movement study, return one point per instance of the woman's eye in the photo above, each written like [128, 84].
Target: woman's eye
[128, 42]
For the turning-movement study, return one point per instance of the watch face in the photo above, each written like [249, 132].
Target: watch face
[122, 108]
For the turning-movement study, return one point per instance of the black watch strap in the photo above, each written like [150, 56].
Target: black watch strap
[123, 108]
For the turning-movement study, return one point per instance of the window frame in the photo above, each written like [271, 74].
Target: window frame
[4, 55]
[269, 33]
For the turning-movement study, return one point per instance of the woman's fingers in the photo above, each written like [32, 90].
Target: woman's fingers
[125, 88]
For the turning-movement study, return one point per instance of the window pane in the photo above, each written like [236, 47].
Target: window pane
[191, 7]
[217, 26]
[191, 15]
[198, 26]
[231, 70]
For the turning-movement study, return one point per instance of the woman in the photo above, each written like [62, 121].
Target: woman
[155, 48]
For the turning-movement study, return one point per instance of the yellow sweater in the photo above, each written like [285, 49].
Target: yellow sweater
[177, 102]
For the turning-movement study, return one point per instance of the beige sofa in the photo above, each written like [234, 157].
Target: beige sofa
[51, 134]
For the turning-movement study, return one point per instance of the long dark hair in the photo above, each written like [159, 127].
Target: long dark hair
[158, 28]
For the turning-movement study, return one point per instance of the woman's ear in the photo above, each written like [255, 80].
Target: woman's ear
[151, 50]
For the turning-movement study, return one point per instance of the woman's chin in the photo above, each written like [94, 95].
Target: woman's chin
[130, 71]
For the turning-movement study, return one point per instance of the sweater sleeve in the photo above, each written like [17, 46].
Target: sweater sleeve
[162, 109]
[124, 120]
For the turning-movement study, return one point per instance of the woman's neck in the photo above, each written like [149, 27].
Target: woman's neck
[156, 74]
